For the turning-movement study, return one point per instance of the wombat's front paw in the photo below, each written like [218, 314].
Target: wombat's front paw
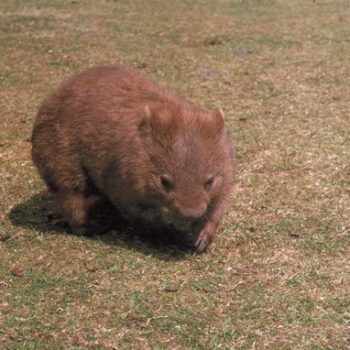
[204, 237]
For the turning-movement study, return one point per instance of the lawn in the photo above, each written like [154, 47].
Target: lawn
[277, 275]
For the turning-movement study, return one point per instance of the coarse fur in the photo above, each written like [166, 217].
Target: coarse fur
[111, 138]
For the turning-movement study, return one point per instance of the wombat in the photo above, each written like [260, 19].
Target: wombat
[111, 137]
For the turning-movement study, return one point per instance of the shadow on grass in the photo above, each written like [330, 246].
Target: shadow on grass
[41, 213]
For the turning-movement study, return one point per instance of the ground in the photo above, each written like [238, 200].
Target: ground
[278, 274]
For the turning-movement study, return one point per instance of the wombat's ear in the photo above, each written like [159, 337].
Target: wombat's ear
[154, 120]
[145, 125]
[217, 116]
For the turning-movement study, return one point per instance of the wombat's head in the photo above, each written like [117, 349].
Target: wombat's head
[190, 161]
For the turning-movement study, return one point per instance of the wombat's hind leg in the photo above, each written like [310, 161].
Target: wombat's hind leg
[88, 214]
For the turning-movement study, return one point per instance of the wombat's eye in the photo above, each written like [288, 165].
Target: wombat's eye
[166, 182]
[209, 183]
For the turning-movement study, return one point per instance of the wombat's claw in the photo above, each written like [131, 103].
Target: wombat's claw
[205, 237]
[202, 241]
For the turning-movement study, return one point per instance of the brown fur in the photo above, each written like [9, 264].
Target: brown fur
[110, 135]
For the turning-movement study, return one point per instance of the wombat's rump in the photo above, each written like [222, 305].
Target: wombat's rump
[110, 135]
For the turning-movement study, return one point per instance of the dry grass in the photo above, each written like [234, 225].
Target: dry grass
[277, 276]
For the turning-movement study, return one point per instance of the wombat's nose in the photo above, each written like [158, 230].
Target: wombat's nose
[193, 213]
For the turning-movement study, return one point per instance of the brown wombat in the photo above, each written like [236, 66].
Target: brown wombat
[110, 135]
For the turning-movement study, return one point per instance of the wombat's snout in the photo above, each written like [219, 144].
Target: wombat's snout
[193, 213]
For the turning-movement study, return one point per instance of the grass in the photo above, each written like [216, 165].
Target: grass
[278, 273]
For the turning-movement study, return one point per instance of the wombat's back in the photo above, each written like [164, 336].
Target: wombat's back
[103, 91]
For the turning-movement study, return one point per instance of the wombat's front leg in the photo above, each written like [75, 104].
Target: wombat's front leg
[208, 229]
